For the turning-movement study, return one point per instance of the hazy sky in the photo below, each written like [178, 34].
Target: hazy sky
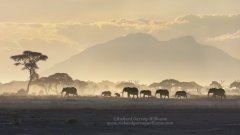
[92, 10]
[69, 26]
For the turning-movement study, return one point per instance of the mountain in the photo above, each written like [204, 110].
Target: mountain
[142, 57]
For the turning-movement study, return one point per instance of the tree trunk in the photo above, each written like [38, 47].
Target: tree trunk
[29, 83]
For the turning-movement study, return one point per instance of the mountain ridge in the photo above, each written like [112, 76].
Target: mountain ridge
[144, 57]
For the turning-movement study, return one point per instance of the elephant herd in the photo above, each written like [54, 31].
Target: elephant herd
[133, 92]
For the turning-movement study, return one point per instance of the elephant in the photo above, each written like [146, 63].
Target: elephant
[217, 92]
[106, 93]
[130, 91]
[69, 90]
[180, 94]
[162, 92]
[117, 94]
[146, 93]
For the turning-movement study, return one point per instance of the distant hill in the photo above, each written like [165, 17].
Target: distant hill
[142, 57]
[12, 87]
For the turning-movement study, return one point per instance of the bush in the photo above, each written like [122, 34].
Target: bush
[21, 92]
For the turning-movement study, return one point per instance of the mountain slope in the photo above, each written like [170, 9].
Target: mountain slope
[142, 57]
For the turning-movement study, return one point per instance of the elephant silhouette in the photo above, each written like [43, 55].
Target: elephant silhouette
[69, 90]
[106, 94]
[145, 93]
[163, 93]
[130, 91]
[117, 94]
[180, 94]
[217, 92]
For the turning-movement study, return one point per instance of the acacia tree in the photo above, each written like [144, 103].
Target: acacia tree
[189, 85]
[125, 84]
[61, 79]
[168, 83]
[44, 83]
[216, 84]
[235, 84]
[28, 60]
[81, 84]
[155, 85]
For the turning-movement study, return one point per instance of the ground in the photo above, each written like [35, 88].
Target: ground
[118, 116]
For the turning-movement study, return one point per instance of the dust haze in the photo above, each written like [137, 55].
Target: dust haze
[113, 67]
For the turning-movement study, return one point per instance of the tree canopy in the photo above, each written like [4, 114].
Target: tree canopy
[28, 60]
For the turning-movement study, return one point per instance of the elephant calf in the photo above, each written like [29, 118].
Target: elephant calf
[117, 94]
[146, 93]
[106, 93]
